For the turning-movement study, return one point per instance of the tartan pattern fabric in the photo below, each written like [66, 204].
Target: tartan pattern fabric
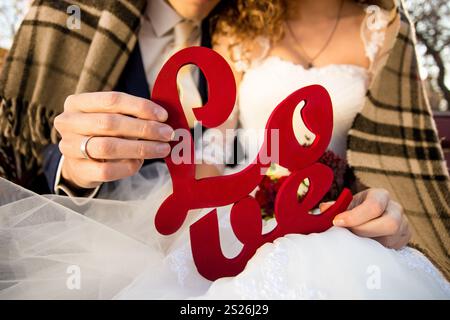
[48, 62]
[393, 142]
[3, 54]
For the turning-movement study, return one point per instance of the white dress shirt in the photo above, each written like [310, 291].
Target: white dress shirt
[156, 38]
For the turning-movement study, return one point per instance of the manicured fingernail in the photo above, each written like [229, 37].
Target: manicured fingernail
[161, 114]
[167, 132]
[163, 149]
[339, 222]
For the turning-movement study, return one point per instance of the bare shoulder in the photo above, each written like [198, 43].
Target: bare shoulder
[352, 46]
[222, 45]
[353, 13]
[232, 51]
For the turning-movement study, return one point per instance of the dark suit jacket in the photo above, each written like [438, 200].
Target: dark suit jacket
[132, 81]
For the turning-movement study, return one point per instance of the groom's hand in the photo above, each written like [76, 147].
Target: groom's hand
[373, 214]
[125, 129]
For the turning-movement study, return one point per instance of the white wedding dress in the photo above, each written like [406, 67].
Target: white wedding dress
[56, 248]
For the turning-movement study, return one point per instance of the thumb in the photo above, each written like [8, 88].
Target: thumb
[325, 205]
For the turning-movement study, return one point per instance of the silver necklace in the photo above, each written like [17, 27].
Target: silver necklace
[310, 60]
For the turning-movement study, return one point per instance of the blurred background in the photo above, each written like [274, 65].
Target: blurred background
[431, 19]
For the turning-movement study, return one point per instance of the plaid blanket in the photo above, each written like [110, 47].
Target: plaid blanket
[50, 61]
[393, 142]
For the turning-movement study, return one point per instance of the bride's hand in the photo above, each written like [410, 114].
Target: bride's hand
[373, 214]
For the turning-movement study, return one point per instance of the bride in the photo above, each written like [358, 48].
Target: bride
[52, 247]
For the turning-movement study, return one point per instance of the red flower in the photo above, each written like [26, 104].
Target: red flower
[268, 188]
[261, 198]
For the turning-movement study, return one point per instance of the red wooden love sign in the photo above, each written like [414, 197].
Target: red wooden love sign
[292, 215]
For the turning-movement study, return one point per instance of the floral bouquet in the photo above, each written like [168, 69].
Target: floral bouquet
[277, 175]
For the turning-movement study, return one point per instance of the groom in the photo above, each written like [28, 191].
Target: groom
[123, 127]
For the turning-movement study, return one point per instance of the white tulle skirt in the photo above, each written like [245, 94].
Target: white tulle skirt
[54, 247]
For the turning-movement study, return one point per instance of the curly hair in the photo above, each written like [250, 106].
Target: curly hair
[247, 19]
[244, 20]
